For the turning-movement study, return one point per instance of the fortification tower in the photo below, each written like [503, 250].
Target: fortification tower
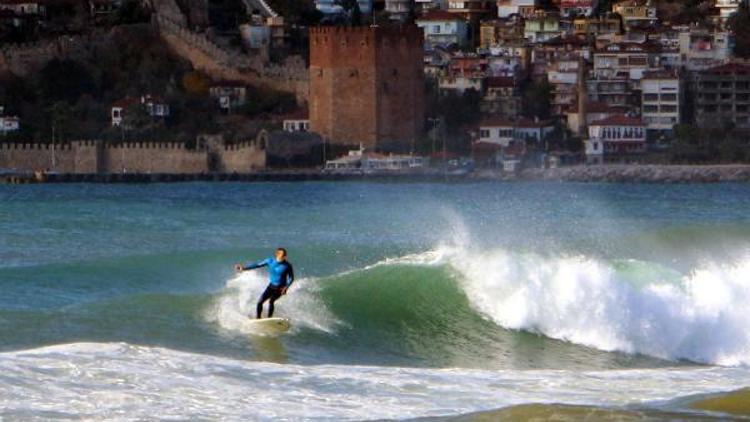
[367, 85]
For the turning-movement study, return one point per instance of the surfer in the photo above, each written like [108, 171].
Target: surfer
[280, 274]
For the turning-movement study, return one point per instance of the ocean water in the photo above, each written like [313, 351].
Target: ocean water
[411, 300]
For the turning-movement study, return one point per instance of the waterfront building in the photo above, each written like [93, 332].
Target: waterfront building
[661, 103]
[615, 138]
[507, 132]
[721, 96]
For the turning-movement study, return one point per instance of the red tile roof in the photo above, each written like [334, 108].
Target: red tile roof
[619, 120]
[125, 102]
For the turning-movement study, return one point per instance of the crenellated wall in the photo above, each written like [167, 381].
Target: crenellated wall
[242, 157]
[130, 157]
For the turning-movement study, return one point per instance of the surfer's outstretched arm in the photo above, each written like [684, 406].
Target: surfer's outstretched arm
[252, 265]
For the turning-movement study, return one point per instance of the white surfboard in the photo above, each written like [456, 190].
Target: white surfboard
[270, 325]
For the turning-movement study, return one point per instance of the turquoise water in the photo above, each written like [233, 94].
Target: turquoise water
[501, 282]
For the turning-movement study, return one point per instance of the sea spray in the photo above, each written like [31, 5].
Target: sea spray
[702, 318]
[232, 307]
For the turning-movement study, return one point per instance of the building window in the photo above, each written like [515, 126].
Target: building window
[668, 108]
[669, 97]
[651, 97]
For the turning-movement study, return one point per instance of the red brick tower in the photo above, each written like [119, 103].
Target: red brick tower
[367, 85]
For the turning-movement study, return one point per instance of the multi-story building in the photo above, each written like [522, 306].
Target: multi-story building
[727, 8]
[526, 8]
[572, 8]
[721, 96]
[542, 27]
[563, 76]
[502, 96]
[229, 95]
[703, 48]
[472, 10]
[443, 29]
[625, 60]
[398, 9]
[615, 92]
[615, 137]
[367, 85]
[596, 26]
[501, 31]
[509, 60]
[661, 102]
[636, 13]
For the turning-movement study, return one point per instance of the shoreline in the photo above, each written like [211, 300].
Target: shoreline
[609, 173]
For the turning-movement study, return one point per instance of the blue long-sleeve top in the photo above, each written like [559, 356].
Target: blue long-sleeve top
[280, 274]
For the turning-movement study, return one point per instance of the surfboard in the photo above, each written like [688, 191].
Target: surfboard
[270, 325]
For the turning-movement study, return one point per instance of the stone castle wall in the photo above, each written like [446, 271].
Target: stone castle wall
[130, 157]
[223, 64]
[26, 58]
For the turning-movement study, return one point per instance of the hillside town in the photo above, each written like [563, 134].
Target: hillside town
[353, 86]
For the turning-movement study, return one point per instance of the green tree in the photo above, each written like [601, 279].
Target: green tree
[64, 80]
[537, 99]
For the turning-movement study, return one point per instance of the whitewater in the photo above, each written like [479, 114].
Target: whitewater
[119, 302]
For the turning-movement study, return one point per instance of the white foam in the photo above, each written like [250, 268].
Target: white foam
[125, 382]
[704, 317]
[237, 302]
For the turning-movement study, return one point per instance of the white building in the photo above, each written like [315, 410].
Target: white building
[507, 8]
[505, 132]
[155, 107]
[701, 49]
[661, 101]
[229, 95]
[727, 8]
[442, 28]
[8, 123]
[615, 136]
[297, 122]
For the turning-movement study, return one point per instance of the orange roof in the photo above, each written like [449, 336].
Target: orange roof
[619, 120]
